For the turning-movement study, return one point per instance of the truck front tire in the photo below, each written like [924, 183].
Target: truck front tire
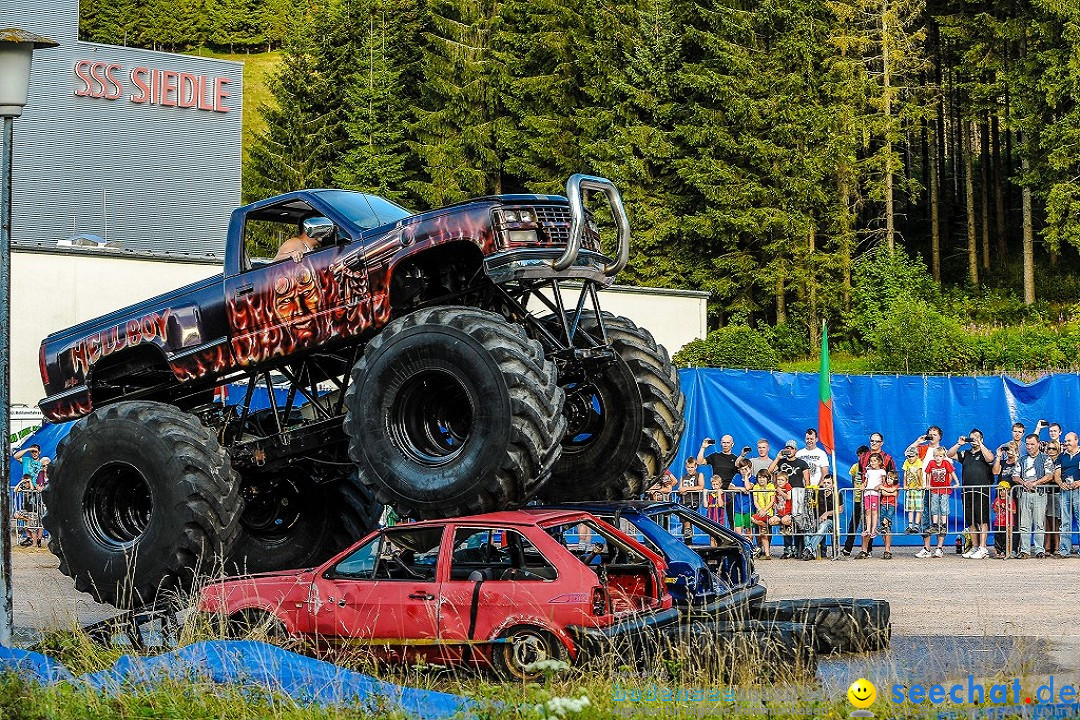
[142, 498]
[453, 410]
[637, 419]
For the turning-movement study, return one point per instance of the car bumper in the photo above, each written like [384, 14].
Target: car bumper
[639, 634]
[734, 605]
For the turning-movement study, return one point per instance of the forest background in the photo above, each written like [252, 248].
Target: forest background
[907, 171]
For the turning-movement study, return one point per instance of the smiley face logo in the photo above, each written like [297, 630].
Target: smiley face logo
[862, 693]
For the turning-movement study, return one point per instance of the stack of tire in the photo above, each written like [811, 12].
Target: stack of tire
[840, 625]
[739, 650]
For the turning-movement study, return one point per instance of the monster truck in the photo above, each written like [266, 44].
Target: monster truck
[438, 362]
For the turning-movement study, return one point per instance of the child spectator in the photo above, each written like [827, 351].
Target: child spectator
[856, 502]
[887, 510]
[914, 497]
[31, 510]
[781, 517]
[664, 486]
[1004, 510]
[764, 496]
[691, 486]
[826, 507]
[941, 478]
[741, 487]
[874, 478]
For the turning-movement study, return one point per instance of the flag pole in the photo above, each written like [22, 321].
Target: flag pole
[826, 430]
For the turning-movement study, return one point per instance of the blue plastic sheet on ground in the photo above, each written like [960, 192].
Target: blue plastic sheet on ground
[749, 404]
[250, 665]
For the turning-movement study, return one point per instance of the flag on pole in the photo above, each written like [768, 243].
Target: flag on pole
[825, 415]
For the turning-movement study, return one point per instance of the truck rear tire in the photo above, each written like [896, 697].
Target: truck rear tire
[142, 498]
[292, 521]
[637, 420]
[453, 410]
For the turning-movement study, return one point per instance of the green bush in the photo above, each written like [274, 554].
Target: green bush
[734, 346]
[914, 337]
[1024, 348]
[789, 340]
[882, 279]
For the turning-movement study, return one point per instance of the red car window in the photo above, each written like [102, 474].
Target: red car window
[396, 554]
[497, 554]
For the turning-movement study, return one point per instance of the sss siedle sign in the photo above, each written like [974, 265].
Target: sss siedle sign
[151, 86]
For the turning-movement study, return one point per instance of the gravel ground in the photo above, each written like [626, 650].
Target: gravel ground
[946, 596]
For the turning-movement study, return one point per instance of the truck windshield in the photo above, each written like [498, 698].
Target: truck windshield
[365, 211]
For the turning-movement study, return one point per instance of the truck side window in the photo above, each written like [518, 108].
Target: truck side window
[262, 238]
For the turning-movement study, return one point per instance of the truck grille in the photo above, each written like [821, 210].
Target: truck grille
[554, 222]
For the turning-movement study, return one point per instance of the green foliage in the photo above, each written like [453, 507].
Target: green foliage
[1026, 348]
[790, 341]
[914, 337]
[883, 279]
[734, 346]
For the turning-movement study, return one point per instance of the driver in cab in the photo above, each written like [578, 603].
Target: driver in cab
[298, 246]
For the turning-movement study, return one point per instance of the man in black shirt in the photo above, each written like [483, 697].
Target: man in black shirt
[798, 472]
[976, 478]
[723, 467]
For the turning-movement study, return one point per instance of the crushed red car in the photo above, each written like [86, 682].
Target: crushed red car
[505, 589]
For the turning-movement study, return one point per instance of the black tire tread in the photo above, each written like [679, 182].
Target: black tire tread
[210, 511]
[535, 399]
[842, 624]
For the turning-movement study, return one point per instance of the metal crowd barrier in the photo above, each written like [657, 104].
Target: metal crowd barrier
[845, 533]
[19, 501]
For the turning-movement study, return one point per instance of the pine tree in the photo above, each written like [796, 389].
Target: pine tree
[460, 112]
[378, 158]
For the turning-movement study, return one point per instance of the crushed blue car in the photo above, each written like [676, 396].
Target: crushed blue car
[710, 568]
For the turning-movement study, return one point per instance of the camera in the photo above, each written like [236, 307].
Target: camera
[925, 438]
[1044, 423]
[745, 449]
[710, 441]
[965, 438]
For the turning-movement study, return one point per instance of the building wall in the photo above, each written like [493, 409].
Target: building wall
[56, 288]
[147, 174]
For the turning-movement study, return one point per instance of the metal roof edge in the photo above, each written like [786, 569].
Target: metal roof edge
[117, 253]
[239, 63]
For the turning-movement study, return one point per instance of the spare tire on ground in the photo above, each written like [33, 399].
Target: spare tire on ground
[745, 650]
[840, 624]
[142, 499]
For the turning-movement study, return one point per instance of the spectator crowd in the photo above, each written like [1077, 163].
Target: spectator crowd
[1019, 499]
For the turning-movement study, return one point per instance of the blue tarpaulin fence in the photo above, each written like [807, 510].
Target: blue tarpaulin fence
[248, 666]
[777, 406]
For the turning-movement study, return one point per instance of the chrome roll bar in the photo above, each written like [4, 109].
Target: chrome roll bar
[575, 187]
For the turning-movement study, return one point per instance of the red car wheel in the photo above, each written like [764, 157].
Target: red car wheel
[523, 648]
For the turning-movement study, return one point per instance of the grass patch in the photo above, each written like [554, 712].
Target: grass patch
[840, 363]
[258, 69]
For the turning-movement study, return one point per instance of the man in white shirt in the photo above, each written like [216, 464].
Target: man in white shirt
[816, 458]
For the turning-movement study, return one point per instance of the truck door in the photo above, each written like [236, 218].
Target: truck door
[281, 307]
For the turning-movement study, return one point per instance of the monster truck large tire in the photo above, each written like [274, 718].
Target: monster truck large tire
[841, 624]
[622, 436]
[453, 410]
[299, 516]
[142, 498]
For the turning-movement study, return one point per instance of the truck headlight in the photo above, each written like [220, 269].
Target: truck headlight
[522, 236]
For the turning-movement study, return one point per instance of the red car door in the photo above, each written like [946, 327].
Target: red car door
[384, 592]
[517, 582]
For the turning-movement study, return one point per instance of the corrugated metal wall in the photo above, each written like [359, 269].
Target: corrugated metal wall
[153, 177]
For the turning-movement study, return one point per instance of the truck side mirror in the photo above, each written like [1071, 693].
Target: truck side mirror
[318, 228]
